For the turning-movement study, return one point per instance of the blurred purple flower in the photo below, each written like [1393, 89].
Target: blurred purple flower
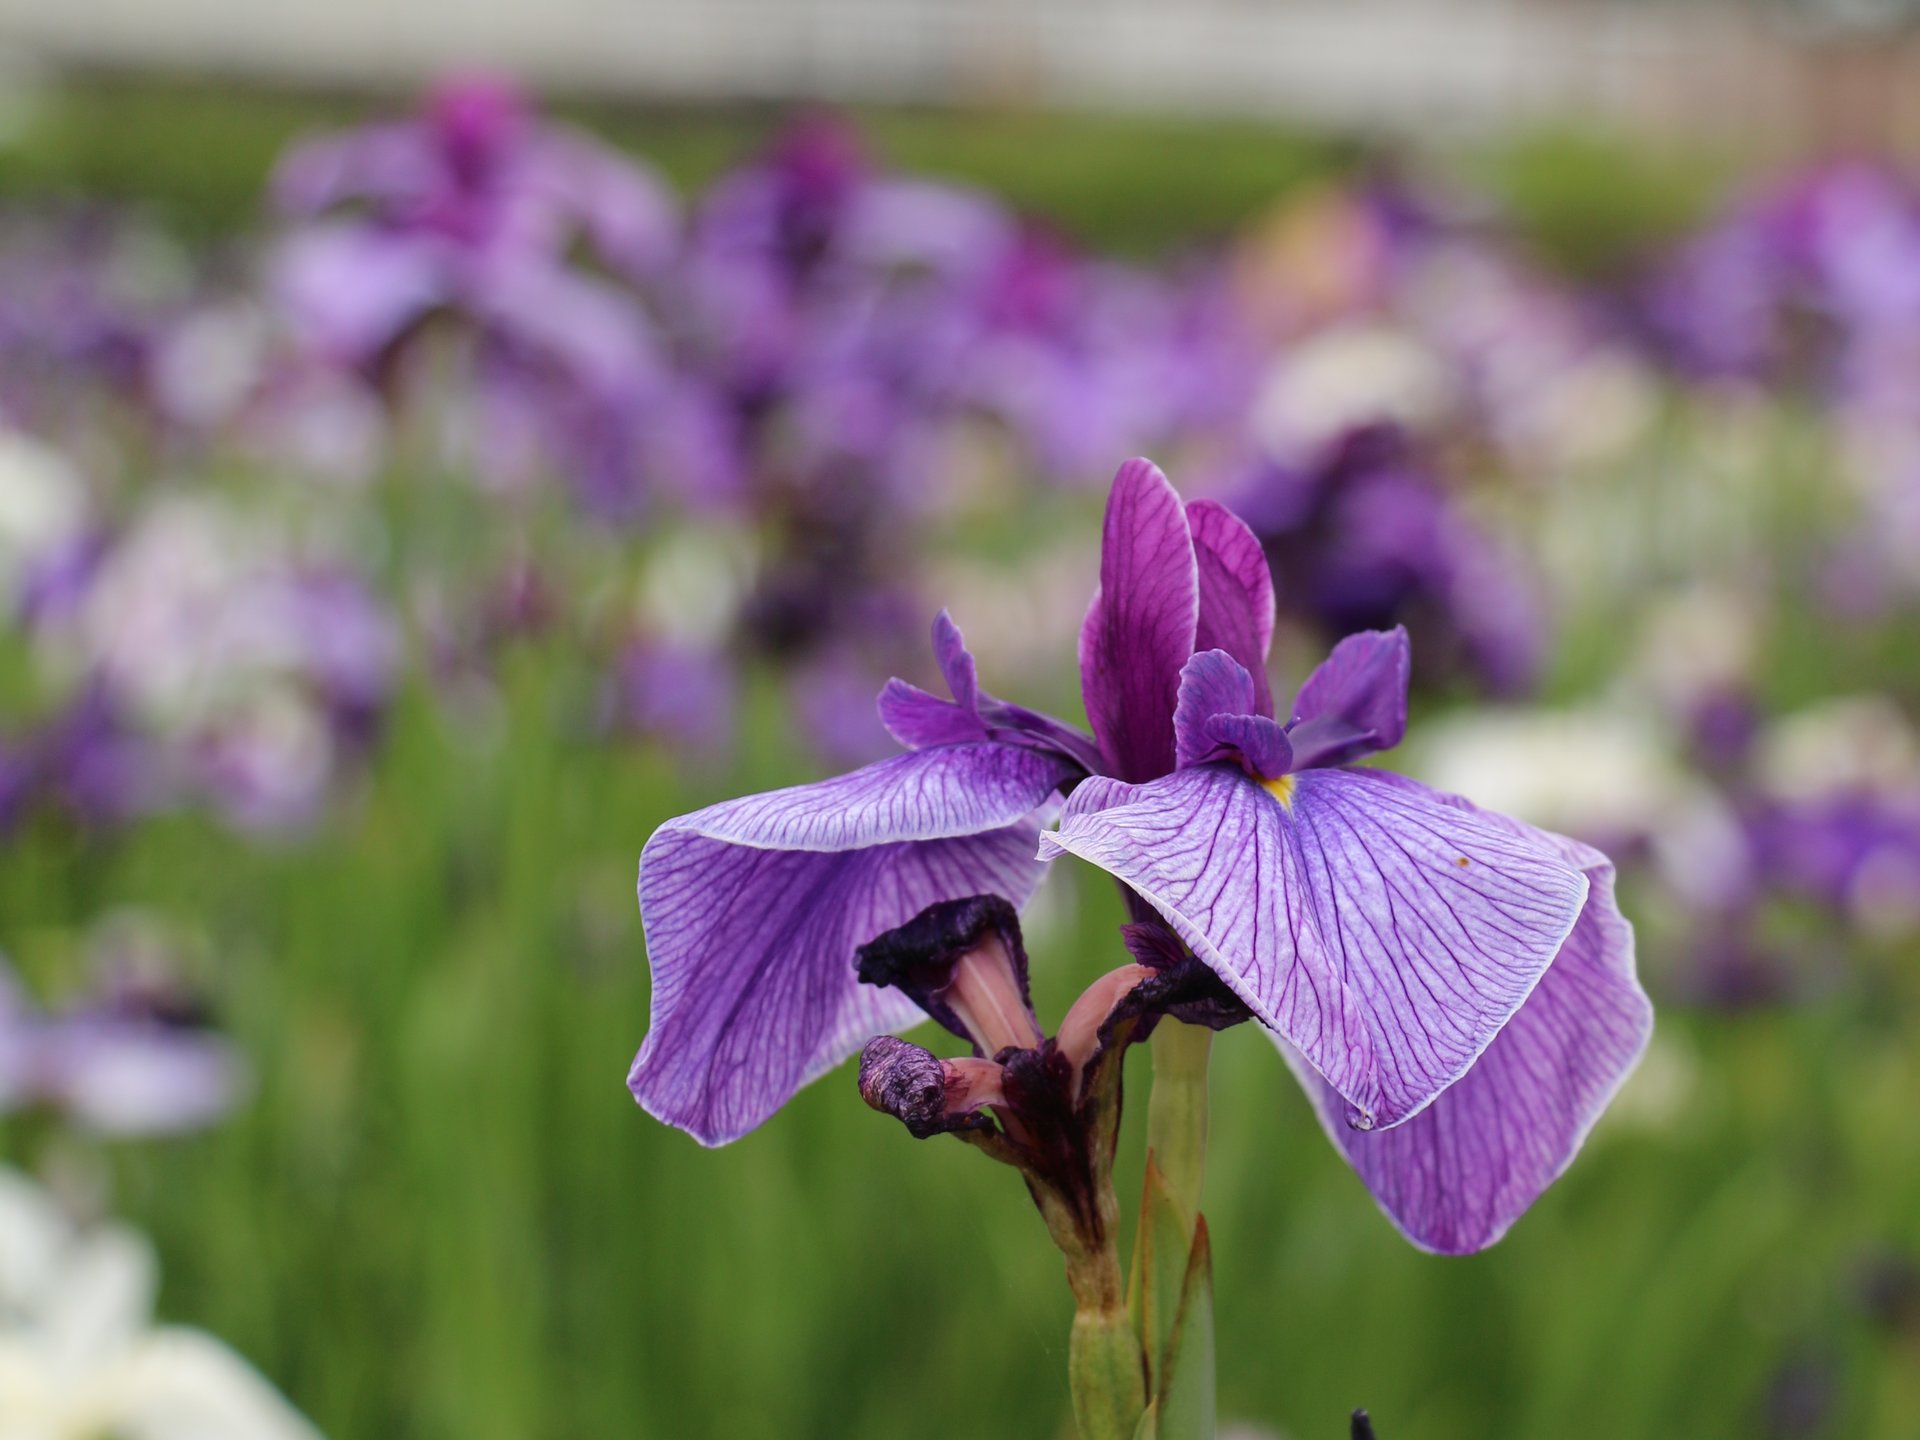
[196, 655]
[475, 208]
[134, 1059]
[677, 693]
[1367, 537]
[1800, 283]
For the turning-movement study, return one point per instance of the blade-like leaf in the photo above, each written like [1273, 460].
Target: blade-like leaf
[1184, 1392]
[1160, 1258]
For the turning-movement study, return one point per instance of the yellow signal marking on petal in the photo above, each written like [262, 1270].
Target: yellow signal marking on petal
[1281, 789]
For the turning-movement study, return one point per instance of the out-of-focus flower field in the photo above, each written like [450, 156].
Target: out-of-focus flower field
[402, 512]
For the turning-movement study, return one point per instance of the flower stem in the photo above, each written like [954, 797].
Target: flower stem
[1105, 1372]
[1177, 1110]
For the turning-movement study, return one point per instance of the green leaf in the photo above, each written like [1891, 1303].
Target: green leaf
[1183, 1396]
[1149, 1425]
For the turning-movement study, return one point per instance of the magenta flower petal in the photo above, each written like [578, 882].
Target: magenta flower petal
[1456, 1175]
[1140, 628]
[1236, 593]
[1355, 702]
[1383, 932]
[753, 910]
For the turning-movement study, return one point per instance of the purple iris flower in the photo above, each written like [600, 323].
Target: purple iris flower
[480, 209]
[1809, 281]
[1455, 989]
[135, 1059]
[88, 761]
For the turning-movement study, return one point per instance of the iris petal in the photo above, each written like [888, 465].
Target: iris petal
[1456, 1175]
[753, 910]
[1384, 933]
[1355, 703]
[919, 720]
[1236, 593]
[1140, 628]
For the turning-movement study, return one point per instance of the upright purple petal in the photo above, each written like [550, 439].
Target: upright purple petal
[1211, 683]
[1456, 1175]
[753, 910]
[1356, 701]
[1140, 629]
[1215, 719]
[1385, 934]
[956, 662]
[918, 720]
[1236, 593]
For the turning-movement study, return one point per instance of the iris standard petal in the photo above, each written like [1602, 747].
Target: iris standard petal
[918, 719]
[753, 910]
[1386, 934]
[1236, 593]
[1456, 1175]
[1355, 702]
[1140, 628]
[1211, 683]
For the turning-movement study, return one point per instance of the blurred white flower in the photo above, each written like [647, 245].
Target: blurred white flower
[79, 1356]
[1661, 1090]
[1599, 775]
[43, 506]
[1583, 772]
[692, 592]
[207, 366]
[1348, 376]
[1593, 409]
[1860, 742]
[1696, 643]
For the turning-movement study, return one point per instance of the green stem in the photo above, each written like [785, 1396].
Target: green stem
[1104, 1368]
[1177, 1111]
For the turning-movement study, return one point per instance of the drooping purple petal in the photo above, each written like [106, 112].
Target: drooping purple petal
[753, 910]
[1140, 629]
[1456, 1175]
[1355, 703]
[1236, 593]
[1384, 933]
